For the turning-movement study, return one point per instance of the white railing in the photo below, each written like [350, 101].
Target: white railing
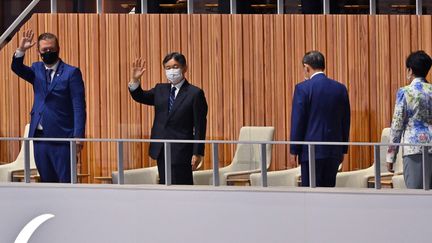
[215, 157]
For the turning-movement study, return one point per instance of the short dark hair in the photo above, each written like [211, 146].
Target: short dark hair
[48, 36]
[419, 62]
[315, 59]
[178, 57]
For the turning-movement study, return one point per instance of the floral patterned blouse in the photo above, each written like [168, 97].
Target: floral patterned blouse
[412, 118]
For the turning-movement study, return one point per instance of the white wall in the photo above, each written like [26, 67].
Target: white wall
[93, 213]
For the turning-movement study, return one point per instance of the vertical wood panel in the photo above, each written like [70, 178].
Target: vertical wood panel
[238, 80]
[225, 84]
[279, 93]
[125, 47]
[145, 113]
[247, 65]
[83, 49]
[133, 32]
[113, 98]
[100, 166]
[93, 93]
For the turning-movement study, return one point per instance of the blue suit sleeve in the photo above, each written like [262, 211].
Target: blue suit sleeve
[77, 93]
[22, 70]
[346, 122]
[299, 119]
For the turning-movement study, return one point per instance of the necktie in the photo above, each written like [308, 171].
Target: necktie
[48, 82]
[48, 77]
[171, 98]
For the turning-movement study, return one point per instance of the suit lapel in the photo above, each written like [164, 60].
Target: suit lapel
[179, 98]
[58, 73]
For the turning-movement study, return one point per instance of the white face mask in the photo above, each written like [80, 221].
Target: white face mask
[174, 75]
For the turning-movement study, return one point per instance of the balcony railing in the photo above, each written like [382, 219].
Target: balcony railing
[215, 159]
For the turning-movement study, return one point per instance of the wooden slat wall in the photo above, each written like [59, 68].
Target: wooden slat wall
[247, 65]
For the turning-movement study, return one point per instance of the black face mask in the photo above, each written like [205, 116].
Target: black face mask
[50, 57]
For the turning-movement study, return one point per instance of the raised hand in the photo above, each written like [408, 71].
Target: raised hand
[292, 162]
[195, 162]
[26, 41]
[138, 69]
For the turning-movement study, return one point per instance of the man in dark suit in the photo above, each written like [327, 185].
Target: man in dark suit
[320, 112]
[180, 113]
[59, 109]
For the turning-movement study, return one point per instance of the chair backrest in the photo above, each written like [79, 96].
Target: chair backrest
[385, 138]
[20, 158]
[248, 156]
[6, 170]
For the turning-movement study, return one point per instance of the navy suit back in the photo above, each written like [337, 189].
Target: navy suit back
[321, 112]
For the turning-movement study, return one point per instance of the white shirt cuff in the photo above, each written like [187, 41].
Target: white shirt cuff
[133, 86]
[19, 53]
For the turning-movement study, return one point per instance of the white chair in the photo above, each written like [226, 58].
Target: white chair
[359, 178]
[6, 170]
[398, 182]
[287, 177]
[147, 175]
[247, 158]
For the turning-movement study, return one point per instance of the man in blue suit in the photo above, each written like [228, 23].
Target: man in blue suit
[320, 112]
[59, 108]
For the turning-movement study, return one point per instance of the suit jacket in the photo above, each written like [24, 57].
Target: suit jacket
[187, 119]
[320, 112]
[61, 103]
[412, 118]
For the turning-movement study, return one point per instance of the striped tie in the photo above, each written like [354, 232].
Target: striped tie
[171, 98]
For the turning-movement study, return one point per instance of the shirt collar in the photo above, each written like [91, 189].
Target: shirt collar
[54, 68]
[417, 80]
[179, 85]
[319, 72]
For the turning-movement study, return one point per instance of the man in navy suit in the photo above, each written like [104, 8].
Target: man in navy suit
[180, 113]
[59, 108]
[320, 112]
